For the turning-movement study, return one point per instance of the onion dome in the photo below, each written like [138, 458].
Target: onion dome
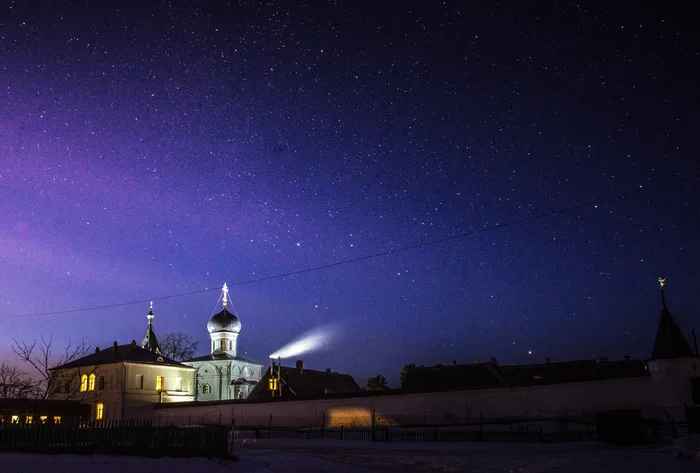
[224, 321]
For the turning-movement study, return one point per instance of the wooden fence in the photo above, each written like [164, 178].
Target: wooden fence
[388, 434]
[116, 438]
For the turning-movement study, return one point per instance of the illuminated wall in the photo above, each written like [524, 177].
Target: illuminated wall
[442, 408]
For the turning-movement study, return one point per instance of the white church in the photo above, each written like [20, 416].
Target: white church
[222, 374]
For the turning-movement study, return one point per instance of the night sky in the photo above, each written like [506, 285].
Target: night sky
[164, 148]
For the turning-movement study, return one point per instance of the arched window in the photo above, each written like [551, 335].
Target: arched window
[83, 383]
[99, 411]
[206, 389]
[91, 384]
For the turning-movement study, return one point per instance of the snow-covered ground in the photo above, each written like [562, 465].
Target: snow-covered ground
[291, 456]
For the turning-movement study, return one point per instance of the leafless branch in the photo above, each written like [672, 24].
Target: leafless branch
[15, 384]
[178, 346]
[39, 355]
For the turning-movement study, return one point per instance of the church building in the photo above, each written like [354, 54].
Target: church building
[222, 374]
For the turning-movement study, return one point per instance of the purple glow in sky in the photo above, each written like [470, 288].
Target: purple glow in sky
[169, 147]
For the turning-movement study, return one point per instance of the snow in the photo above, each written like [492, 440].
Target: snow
[292, 456]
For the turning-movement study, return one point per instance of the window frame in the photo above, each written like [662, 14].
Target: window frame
[91, 382]
[83, 383]
[99, 411]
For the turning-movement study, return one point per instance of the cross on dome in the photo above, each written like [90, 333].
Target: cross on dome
[224, 290]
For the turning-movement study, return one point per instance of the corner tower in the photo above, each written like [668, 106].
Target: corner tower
[224, 328]
[669, 341]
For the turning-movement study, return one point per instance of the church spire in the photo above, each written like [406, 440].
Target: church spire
[669, 341]
[150, 342]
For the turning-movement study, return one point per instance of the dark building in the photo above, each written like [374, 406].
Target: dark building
[41, 411]
[302, 383]
[669, 344]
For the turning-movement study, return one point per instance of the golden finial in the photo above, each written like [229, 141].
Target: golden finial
[662, 281]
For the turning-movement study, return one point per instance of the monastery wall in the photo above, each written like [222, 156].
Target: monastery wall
[570, 400]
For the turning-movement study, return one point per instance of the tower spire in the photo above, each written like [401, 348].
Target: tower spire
[669, 341]
[150, 341]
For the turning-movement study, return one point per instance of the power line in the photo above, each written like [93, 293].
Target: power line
[497, 226]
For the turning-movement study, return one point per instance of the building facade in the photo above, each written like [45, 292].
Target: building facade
[222, 374]
[124, 381]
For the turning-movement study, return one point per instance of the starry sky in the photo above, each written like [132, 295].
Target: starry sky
[152, 149]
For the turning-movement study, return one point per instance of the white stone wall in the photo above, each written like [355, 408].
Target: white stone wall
[674, 372]
[551, 401]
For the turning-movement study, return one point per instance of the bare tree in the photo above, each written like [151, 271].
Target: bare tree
[40, 356]
[178, 346]
[15, 384]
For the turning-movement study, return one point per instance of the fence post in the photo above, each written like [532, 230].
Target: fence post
[323, 424]
[341, 432]
[480, 434]
[373, 420]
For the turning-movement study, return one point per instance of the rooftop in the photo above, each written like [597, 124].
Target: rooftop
[121, 353]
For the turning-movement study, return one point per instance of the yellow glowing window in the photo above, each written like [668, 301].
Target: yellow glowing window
[91, 385]
[43, 419]
[206, 389]
[83, 383]
[273, 384]
[15, 419]
[56, 419]
[99, 411]
[159, 383]
[30, 419]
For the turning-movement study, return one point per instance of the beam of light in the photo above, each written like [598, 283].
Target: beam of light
[307, 342]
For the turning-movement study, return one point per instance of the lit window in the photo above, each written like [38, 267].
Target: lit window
[83, 383]
[15, 419]
[56, 419]
[273, 384]
[30, 419]
[206, 389]
[159, 383]
[43, 419]
[91, 385]
[99, 411]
